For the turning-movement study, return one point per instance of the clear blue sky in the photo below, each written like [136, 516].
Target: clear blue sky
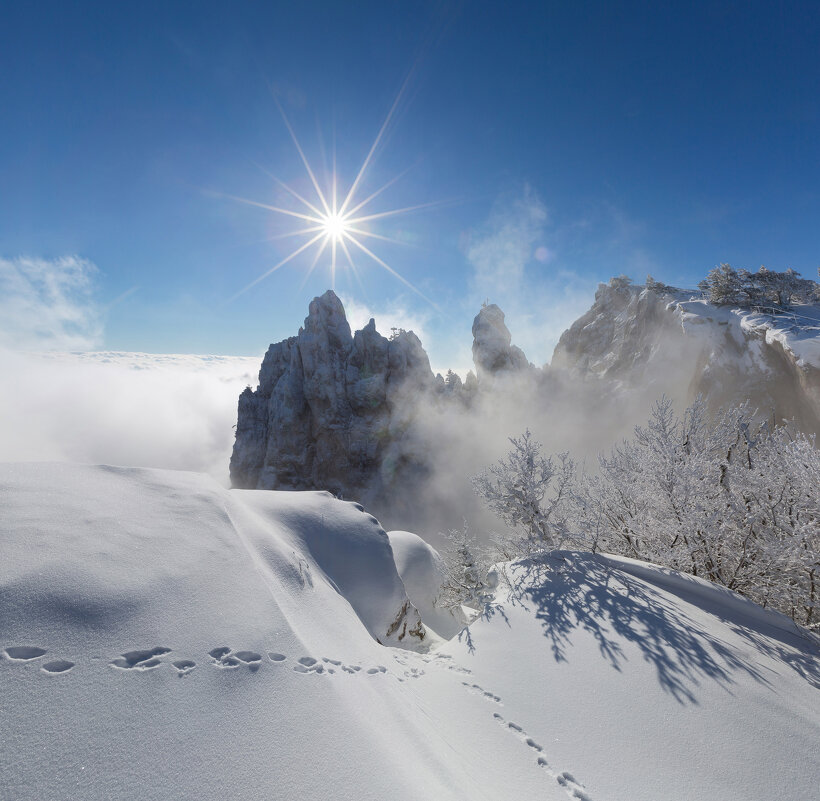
[577, 141]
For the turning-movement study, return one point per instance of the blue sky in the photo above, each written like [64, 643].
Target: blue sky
[575, 140]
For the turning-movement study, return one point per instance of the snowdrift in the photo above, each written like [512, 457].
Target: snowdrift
[162, 637]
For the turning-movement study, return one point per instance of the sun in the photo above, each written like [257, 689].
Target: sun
[333, 226]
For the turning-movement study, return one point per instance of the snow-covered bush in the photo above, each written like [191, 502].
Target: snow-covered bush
[724, 498]
[466, 567]
[530, 493]
[727, 286]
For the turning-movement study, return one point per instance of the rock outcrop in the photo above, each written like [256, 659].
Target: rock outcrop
[493, 352]
[667, 341]
[330, 409]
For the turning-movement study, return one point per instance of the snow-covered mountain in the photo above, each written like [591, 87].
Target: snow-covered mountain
[364, 416]
[667, 340]
[162, 637]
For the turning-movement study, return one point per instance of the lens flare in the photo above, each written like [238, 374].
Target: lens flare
[333, 226]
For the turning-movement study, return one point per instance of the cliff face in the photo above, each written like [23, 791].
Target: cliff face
[328, 412]
[339, 411]
[666, 341]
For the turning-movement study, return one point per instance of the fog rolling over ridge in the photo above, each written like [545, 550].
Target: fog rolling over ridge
[364, 416]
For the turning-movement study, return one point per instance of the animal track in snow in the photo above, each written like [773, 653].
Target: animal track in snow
[184, 666]
[141, 660]
[23, 653]
[226, 659]
[57, 666]
[572, 786]
[276, 657]
[307, 664]
[474, 688]
[377, 669]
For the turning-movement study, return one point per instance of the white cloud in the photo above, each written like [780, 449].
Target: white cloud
[500, 250]
[48, 304]
[134, 409]
[516, 267]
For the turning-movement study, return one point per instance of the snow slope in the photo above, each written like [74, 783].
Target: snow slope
[163, 637]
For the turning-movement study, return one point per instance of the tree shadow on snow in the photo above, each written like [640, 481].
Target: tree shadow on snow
[587, 593]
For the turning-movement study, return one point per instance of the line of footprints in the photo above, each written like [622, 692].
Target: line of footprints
[226, 658]
[223, 657]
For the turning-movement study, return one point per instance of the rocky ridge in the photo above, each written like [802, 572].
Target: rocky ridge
[351, 412]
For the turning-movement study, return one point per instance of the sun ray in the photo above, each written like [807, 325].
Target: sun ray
[302, 155]
[289, 234]
[375, 144]
[275, 208]
[276, 267]
[333, 241]
[381, 214]
[390, 269]
[352, 265]
[362, 232]
[314, 262]
[380, 190]
[289, 189]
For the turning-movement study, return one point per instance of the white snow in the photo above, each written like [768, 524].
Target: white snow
[797, 330]
[422, 571]
[163, 637]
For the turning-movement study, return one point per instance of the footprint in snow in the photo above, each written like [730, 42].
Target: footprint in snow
[572, 786]
[307, 664]
[23, 653]
[378, 669]
[57, 667]
[142, 660]
[276, 657]
[474, 688]
[226, 659]
[184, 666]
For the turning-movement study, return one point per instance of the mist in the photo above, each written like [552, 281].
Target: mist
[140, 410]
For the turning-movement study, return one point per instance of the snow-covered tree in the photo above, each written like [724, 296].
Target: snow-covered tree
[466, 567]
[529, 492]
[722, 497]
[722, 285]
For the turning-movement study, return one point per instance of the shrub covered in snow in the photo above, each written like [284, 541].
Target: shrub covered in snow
[724, 498]
[727, 286]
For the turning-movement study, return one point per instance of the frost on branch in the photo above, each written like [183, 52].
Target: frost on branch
[466, 580]
[530, 493]
[723, 497]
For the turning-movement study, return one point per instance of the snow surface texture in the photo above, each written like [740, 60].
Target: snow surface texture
[161, 637]
[422, 571]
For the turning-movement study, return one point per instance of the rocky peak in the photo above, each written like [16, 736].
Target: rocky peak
[493, 352]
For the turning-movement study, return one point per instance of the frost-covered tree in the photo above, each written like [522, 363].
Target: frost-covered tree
[726, 286]
[529, 492]
[722, 286]
[722, 497]
[466, 567]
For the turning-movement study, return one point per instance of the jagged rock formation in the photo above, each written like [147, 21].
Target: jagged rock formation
[492, 351]
[364, 417]
[330, 410]
[336, 411]
[665, 340]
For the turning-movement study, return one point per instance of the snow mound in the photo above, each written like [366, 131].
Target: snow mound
[650, 683]
[422, 570]
[162, 637]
